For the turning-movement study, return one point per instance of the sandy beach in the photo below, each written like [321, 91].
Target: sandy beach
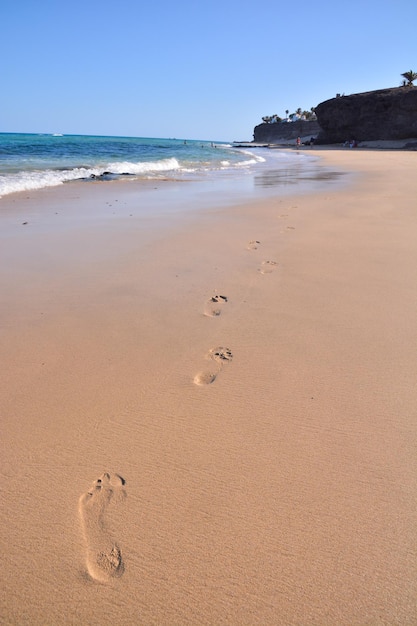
[210, 418]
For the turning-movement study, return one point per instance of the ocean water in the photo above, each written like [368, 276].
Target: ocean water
[29, 161]
[35, 161]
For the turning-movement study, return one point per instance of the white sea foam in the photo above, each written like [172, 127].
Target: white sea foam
[254, 158]
[125, 167]
[29, 180]
[49, 166]
[246, 163]
[35, 179]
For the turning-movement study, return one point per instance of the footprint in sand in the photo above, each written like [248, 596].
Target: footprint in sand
[253, 245]
[267, 267]
[220, 356]
[214, 306]
[104, 558]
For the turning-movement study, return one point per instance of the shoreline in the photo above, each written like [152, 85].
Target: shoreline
[239, 379]
[408, 145]
[237, 185]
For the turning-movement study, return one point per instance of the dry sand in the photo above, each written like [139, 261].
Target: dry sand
[214, 421]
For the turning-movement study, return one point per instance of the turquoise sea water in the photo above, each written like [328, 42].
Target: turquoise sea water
[34, 161]
[29, 161]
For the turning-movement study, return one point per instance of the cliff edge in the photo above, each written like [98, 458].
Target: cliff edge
[385, 114]
[285, 132]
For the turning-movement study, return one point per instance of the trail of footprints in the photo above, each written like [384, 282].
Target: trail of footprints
[266, 267]
[220, 357]
[104, 558]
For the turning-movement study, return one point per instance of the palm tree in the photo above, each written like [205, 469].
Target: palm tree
[410, 77]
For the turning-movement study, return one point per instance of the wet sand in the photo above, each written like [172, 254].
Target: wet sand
[210, 418]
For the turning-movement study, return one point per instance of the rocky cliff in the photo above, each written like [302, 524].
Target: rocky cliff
[375, 115]
[285, 132]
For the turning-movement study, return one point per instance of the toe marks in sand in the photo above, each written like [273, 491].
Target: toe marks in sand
[215, 305]
[220, 355]
[103, 555]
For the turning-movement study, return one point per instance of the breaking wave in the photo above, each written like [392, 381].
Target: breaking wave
[27, 180]
[31, 162]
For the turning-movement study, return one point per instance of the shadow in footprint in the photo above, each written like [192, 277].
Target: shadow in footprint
[253, 245]
[103, 555]
[219, 356]
[215, 305]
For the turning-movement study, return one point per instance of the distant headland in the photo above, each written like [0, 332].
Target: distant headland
[385, 115]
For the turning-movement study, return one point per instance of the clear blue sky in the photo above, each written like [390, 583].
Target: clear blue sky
[189, 69]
